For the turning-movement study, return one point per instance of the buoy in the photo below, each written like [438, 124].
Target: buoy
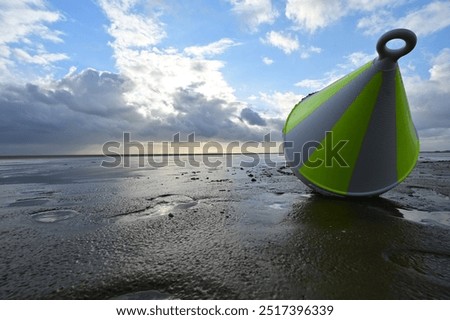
[356, 137]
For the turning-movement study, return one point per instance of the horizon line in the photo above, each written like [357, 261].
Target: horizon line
[6, 157]
[3, 157]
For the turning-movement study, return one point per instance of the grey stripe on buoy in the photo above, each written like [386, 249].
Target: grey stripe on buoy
[313, 128]
[376, 166]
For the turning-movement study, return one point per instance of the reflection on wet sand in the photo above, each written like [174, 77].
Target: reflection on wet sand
[363, 249]
[72, 230]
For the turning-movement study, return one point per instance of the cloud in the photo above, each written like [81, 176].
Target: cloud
[208, 118]
[156, 94]
[314, 85]
[426, 20]
[370, 5]
[34, 17]
[95, 93]
[357, 59]
[252, 117]
[25, 23]
[279, 104]
[5, 61]
[311, 15]
[307, 51]
[42, 58]
[180, 91]
[81, 109]
[440, 71]
[285, 42]
[212, 49]
[376, 23]
[434, 139]
[375, 16]
[267, 61]
[428, 98]
[253, 13]
[158, 75]
[131, 29]
[273, 109]
[86, 109]
[288, 43]
[351, 62]
[314, 14]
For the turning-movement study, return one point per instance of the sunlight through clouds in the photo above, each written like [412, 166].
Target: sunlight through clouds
[73, 77]
[281, 102]
[157, 75]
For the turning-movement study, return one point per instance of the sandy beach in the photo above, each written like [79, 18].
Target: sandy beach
[71, 229]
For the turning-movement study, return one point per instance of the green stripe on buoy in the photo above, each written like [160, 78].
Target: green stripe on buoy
[336, 178]
[298, 114]
[407, 140]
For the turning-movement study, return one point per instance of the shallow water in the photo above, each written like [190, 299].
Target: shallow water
[73, 230]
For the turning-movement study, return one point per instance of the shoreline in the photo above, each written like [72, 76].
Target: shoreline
[62, 156]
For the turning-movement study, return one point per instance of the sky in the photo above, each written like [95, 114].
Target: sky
[76, 74]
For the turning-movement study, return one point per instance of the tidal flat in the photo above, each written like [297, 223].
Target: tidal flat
[71, 229]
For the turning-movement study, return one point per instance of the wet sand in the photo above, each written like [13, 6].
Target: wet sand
[72, 230]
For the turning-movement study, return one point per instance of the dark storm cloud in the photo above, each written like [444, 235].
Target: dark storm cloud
[252, 117]
[88, 108]
[80, 110]
[96, 93]
[207, 117]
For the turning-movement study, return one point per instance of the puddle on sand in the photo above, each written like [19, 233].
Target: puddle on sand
[161, 206]
[51, 216]
[29, 202]
[30, 198]
[278, 206]
[144, 295]
[267, 208]
[434, 218]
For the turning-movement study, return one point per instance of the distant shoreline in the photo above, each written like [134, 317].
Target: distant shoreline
[60, 156]
[130, 155]
[147, 155]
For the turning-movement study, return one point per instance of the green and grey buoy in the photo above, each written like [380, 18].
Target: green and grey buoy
[356, 136]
